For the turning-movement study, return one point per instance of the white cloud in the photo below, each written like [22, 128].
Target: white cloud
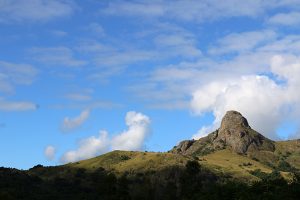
[96, 28]
[199, 11]
[91, 105]
[241, 42]
[264, 102]
[61, 56]
[134, 137]
[70, 124]
[288, 44]
[59, 33]
[131, 139]
[78, 97]
[12, 74]
[123, 58]
[88, 148]
[143, 8]
[176, 82]
[204, 131]
[79, 94]
[287, 67]
[178, 9]
[178, 44]
[287, 19]
[34, 10]
[5, 85]
[16, 106]
[50, 152]
[112, 59]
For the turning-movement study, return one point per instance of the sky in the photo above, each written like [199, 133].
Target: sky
[81, 78]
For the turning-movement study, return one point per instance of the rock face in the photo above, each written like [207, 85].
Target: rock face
[234, 133]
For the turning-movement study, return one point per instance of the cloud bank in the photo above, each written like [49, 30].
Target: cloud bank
[131, 139]
[88, 148]
[266, 102]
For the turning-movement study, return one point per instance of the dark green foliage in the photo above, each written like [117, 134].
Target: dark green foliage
[275, 175]
[191, 182]
[285, 166]
[37, 166]
[124, 157]
[203, 150]
[258, 173]
[256, 159]
[193, 167]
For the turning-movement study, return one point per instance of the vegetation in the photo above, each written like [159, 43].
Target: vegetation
[190, 182]
[126, 175]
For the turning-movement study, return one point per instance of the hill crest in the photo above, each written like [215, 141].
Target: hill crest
[234, 133]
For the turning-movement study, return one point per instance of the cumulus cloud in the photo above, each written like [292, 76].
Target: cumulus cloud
[50, 152]
[134, 137]
[233, 56]
[264, 101]
[88, 148]
[34, 10]
[131, 139]
[70, 124]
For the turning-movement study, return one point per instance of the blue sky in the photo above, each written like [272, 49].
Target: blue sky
[78, 79]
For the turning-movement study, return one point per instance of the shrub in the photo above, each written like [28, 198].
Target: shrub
[285, 166]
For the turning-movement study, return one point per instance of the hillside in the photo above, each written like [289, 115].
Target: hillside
[122, 161]
[231, 163]
[235, 150]
[238, 149]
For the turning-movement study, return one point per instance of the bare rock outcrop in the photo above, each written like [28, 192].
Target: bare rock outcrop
[234, 133]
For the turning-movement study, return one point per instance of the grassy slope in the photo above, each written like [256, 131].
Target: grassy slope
[132, 161]
[235, 165]
[221, 162]
[290, 151]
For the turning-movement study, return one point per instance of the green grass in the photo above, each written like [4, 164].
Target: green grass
[289, 151]
[222, 162]
[236, 165]
[132, 161]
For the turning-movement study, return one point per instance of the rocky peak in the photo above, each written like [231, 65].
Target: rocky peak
[233, 119]
[234, 133]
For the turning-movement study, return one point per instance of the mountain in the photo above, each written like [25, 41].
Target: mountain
[233, 162]
[234, 150]
[234, 133]
[236, 140]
